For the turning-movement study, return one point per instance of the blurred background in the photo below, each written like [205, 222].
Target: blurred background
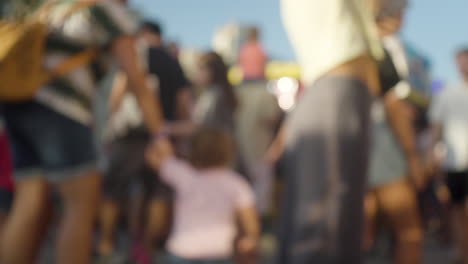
[426, 27]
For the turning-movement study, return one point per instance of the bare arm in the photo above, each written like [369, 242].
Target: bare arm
[401, 122]
[158, 152]
[398, 114]
[124, 51]
[119, 89]
[435, 155]
[181, 128]
[249, 223]
[278, 146]
[436, 134]
[184, 104]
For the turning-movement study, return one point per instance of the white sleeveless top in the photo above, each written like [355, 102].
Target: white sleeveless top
[328, 33]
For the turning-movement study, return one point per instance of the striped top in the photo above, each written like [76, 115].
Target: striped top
[94, 27]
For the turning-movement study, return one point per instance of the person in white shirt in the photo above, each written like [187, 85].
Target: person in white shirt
[449, 119]
[326, 137]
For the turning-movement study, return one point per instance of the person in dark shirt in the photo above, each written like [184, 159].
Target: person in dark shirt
[149, 214]
[174, 91]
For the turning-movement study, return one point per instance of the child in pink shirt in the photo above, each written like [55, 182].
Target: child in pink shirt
[209, 198]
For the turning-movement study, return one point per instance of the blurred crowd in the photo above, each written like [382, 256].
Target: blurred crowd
[120, 157]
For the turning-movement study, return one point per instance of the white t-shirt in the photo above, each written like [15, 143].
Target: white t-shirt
[450, 109]
[129, 116]
[328, 33]
[205, 206]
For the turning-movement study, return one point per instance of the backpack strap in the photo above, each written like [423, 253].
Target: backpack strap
[70, 64]
[43, 12]
[76, 61]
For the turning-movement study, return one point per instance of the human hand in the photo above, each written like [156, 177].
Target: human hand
[158, 151]
[272, 156]
[247, 246]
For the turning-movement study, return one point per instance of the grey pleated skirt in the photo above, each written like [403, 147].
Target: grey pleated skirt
[387, 160]
[325, 173]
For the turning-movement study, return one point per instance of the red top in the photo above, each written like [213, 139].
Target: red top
[6, 169]
[252, 60]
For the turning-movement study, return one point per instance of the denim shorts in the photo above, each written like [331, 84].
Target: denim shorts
[47, 143]
[6, 200]
[177, 260]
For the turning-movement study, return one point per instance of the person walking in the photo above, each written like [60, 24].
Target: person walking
[149, 209]
[449, 120]
[326, 137]
[52, 137]
[392, 191]
[257, 118]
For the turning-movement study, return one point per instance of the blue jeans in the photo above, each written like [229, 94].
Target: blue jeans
[47, 143]
[176, 260]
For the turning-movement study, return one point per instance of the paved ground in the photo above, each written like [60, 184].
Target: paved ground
[434, 253]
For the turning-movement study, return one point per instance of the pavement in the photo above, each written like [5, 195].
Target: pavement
[434, 251]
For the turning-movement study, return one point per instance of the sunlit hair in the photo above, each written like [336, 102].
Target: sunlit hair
[211, 148]
[219, 76]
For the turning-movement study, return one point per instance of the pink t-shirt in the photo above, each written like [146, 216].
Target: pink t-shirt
[252, 60]
[205, 206]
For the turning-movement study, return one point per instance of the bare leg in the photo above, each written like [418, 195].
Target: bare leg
[370, 215]
[157, 225]
[3, 220]
[399, 204]
[460, 218]
[80, 196]
[108, 219]
[136, 215]
[20, 241]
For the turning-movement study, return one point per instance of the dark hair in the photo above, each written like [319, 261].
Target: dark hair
[462, 51]
[211, 148]
[153, 27]
[253, 33]
[219, 74]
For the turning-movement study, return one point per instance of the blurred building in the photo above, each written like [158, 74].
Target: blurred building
[228, 40]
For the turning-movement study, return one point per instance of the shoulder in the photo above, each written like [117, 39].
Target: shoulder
[237, 181]
[241, 191]
[114, 16]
